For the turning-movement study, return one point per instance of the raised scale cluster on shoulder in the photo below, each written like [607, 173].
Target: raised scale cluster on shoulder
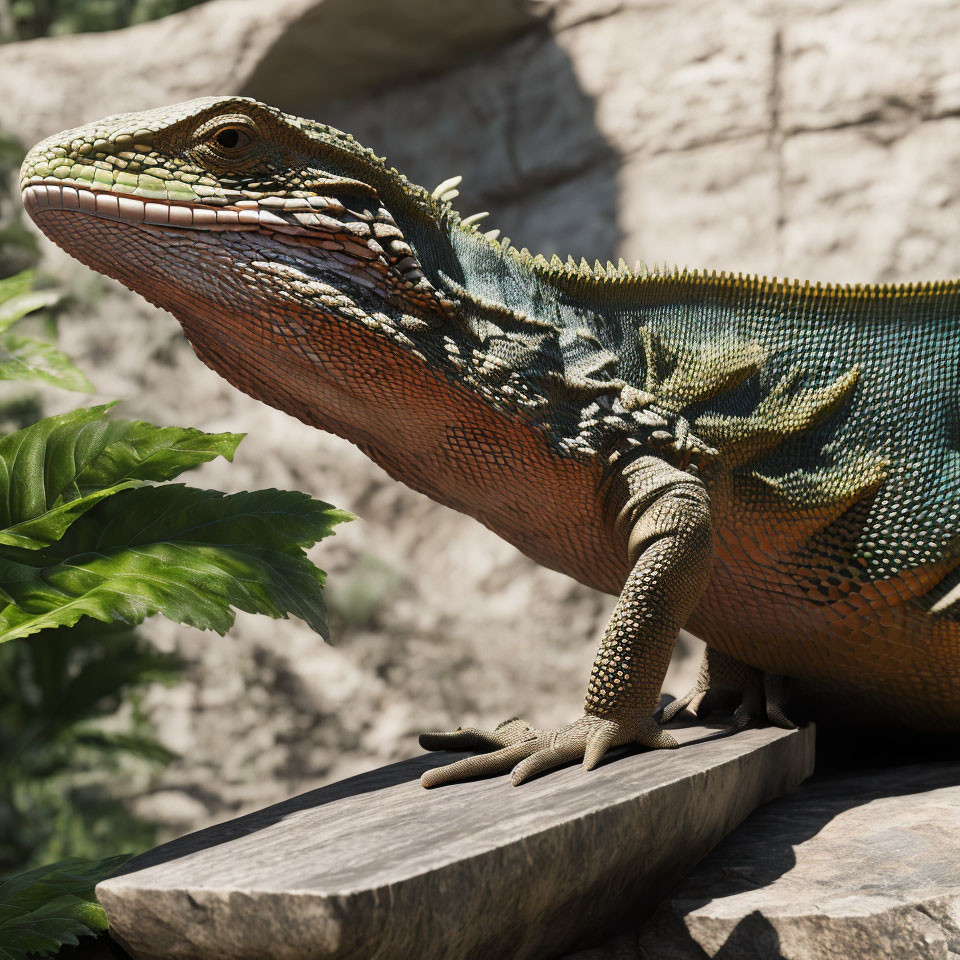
[774, 464]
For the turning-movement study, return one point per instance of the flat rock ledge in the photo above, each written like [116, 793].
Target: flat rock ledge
[864, 866]
[377, 867]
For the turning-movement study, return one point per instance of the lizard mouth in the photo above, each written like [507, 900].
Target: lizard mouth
[369, 253]
[107, 205]
[374, 247]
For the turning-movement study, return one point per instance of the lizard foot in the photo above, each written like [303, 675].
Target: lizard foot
[526, 751]
[722, 680]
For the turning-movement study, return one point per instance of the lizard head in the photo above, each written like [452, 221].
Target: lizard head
[266, 235]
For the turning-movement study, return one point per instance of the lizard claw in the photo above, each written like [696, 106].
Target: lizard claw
[776, 692]
[526, 751]
[763, 702]
[690, 702]
[753, 697]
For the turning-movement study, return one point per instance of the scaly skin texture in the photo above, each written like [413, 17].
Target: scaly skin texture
[774, 464]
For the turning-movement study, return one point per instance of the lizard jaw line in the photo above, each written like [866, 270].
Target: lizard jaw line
[107, 205]
[163, 216]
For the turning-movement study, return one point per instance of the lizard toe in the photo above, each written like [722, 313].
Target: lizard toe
[776, 692]
[481, 765]
[546, 759]
[651, 735]
[473, 738]
[690, 702]
[525, 751]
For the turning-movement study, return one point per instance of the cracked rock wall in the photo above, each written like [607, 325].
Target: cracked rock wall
[804, 138]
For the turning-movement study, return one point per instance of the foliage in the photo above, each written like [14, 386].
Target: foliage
[28, 19]
[55, 470]
[46, 908]
[69, 700]
[192, 555]
[63, 740]
[31, 358]
[92, 540]
[83, 531]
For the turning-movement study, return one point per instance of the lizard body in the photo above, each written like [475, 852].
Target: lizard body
[775, 464]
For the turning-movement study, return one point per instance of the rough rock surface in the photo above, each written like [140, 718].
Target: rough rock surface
[377, 867]
[803, 137]
[859, 866]
[290, 52]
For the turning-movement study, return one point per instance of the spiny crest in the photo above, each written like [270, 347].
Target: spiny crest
[728, 285]
[448, 190]
[570, 272]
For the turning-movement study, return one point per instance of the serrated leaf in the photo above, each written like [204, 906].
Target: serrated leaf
[55, 470]
[47, 908]
[49, 526]
[136, 450]
[194, 556]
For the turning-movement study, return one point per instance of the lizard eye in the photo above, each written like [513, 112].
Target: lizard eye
[231, 139]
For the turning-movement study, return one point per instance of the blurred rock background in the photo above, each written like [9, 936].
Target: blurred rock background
[806, 138]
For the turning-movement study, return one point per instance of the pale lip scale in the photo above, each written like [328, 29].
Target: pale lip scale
[38, 197]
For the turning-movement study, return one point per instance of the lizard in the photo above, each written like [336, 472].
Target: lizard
[773, 464]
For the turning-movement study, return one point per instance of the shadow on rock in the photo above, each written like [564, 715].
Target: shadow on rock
[846, 858]
[483, 91]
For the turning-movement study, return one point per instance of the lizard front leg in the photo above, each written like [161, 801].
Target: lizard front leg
[670, 546]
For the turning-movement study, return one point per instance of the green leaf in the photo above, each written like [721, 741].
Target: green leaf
[26, 358]
[55, 470]
[23, 358]
[46, 908]
[194, 556]
[15, 286]
[54, 694]
[135, 450]
[64, 747]
[17, 307]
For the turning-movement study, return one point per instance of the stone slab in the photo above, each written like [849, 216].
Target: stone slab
[861, 865]
[377, 867]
